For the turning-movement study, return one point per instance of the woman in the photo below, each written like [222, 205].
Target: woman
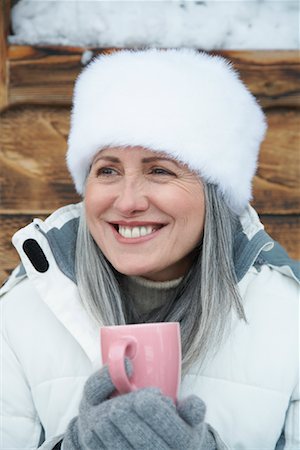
[163, 148]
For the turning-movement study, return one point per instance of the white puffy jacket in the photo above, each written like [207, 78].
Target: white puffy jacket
[50, 346]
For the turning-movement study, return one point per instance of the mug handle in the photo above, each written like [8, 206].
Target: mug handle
[125, 346]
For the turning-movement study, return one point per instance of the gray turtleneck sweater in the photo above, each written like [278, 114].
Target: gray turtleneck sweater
[148, 295]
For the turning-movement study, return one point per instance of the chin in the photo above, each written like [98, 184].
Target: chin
[132, 272]
[131, 266]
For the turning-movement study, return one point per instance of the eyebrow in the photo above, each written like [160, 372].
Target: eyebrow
[106, 158]
[150, 159]
[160, 158]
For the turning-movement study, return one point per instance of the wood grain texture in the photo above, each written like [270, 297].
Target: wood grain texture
[284, 229]
[277, 183]
[45, 75]
[32, 154]
[272, 75]
[33, 143]
[4, 65]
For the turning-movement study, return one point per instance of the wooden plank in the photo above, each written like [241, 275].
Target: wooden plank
[271, 75]
[277, 184]
[45, 75]
[32, 154]
[285, 229]
[4, 75]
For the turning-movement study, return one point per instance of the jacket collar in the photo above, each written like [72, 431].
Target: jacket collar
[252, 245]
[53, 280]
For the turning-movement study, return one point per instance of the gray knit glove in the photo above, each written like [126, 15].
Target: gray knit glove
[144, 419]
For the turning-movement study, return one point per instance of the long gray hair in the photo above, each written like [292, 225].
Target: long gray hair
[202, 301]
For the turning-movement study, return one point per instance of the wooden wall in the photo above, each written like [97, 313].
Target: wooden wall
[35, 95]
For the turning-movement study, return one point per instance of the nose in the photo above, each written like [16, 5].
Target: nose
[132, 198]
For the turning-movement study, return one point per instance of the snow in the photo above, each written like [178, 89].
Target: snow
[235, 24]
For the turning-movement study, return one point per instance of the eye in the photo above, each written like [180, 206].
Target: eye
[106, 172]
[161, 171]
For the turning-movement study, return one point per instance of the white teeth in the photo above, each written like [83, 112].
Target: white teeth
[144, 231]
[135, 232]
[127, 232]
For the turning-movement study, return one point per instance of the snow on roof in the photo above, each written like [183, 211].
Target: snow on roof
[227, 24]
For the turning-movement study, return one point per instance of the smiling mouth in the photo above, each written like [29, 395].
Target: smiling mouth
[136, 231]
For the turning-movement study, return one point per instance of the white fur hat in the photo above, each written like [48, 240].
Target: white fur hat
[190, 105]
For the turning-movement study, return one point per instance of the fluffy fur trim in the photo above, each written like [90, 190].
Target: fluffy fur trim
[190, 105]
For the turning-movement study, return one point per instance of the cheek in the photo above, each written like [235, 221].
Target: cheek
[96, 201]
[92, 203]
[194, 224]
[192, 212]
[199, 216]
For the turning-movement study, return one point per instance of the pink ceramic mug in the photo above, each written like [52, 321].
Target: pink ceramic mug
[154, 350]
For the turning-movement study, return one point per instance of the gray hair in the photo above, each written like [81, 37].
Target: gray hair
[202, 301]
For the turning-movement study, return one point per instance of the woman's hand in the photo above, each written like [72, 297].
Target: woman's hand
[144, 419]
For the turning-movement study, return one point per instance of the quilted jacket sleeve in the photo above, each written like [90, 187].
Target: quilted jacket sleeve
[292, 429]
[20, 426]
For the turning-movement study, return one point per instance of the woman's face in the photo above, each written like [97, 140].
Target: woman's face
[145, 211]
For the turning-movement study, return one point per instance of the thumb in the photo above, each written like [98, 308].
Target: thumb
[191, 410]
[99, 385]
